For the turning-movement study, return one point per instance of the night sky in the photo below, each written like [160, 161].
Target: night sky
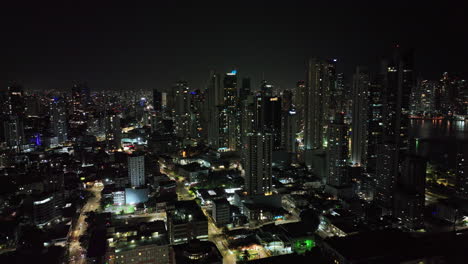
[116, 46]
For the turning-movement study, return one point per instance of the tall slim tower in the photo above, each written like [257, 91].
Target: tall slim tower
[157, 100]
[215, 95]
[230, 111]
[337, 152]
[317, 103]
[182, 109]
[58, 119]
[398, 81]
[16, 102]
[359, 125]
[258, 164]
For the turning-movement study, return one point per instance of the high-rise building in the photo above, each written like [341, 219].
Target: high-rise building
[337, 152]
[182, 109]
[136, 169]
[398, 82]
[299, 102]
[409, 197]
[374, 123]
[113, 131]
[320, 80]
[215, 100]
[360, 121]
[269, 118]
[16, 102]
[157, 100]
[58, 119]
[245, 89]
[231, 115]
[266, 89]
[258, 164]
[13, 131]
[289, 131]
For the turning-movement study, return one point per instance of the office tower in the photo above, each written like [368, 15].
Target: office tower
[221, 211]
[16, 101]
[215, 100]
[359, 123]
[289, 131]
[317, 95]
[186, 222]
[245, 89]
[136, 169]
[461, 185]
[58, 119]
[258, 164]
[13, 131]
[409, 198]
[337, 152]
[374, 123]
[157, 100]
[182, 109]
[229, 124]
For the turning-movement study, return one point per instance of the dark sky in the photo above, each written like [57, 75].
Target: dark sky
[116, 46]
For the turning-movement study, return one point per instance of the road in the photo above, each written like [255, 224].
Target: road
[183, 193]
[215, 235]
[76, 252]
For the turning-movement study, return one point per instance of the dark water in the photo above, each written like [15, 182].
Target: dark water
[440, 140]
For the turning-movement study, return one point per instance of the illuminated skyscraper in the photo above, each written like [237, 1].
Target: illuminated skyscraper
[58, 119]
[182, 109]
[230, 114]
[215, 100]
[320, 80]
[258, 164]
[16, 103]
[337, 152]
[398, 82]
[360, 122]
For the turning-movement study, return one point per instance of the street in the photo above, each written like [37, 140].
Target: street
[77, 254]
